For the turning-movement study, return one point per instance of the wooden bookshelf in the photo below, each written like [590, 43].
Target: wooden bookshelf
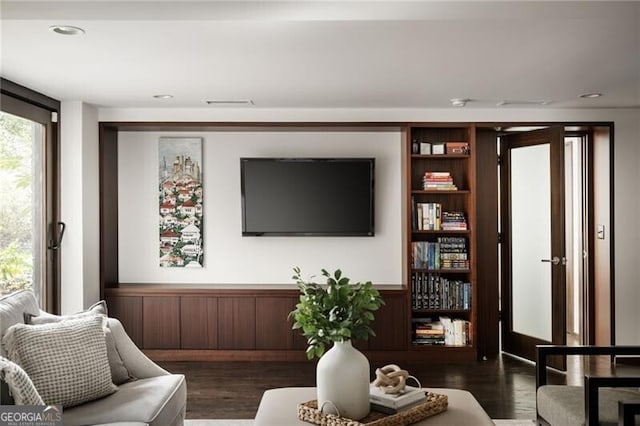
[429, 282]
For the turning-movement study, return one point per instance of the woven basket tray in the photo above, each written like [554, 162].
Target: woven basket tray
[435, 403]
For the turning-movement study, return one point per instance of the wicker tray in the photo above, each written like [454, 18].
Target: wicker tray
[435, 403]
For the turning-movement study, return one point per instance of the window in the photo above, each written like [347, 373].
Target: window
[29, 232]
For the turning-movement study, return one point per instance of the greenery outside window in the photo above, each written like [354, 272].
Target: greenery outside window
[29, 233]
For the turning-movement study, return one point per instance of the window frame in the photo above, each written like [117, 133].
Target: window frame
[24, 102]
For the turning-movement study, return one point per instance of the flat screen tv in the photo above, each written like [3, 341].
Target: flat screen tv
[307, 196]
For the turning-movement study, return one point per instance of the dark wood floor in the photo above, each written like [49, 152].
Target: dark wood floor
[505, 387]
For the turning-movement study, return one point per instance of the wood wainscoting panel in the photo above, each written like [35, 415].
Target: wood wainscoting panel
[273, 330]
[198, 322]
[161, 319]
[390, 325]
[236, 323]
[128, 310]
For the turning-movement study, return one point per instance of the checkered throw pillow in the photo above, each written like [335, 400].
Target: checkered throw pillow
[20, 385]
[67, 360]
[119, 372]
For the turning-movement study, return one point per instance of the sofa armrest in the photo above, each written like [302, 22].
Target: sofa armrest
[627, 412]
[592, 385]
[136, 362]
[543, 351]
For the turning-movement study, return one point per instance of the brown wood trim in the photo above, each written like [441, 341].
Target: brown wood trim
[8, 87]
[612, 233]
[108, 171]
[486, 236]
[200, 126]
[37, 107]
[240, 290]
[320, 125]
[570, 125]
[589, 302]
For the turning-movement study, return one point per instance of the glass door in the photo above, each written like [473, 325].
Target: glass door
[533, 268]
[27, 225]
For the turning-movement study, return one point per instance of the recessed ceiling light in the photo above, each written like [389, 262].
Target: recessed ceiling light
[590, 95]
[163, 96]
[67, 30]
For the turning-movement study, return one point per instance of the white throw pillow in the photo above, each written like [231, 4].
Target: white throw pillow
[20, 385]
[66, 360]
[119, 372]
[98, 308]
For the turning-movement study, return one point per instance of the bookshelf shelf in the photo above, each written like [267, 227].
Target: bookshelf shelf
[445, 349]
[442, 271]
[442, 231]
[450, 197]
[440, 156]
[442, 311]
[441, 192]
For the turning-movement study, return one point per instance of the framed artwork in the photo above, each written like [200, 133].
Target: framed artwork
[180, 202]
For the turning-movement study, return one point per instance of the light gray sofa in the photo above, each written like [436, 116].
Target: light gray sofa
[154, 398]
[602, 401]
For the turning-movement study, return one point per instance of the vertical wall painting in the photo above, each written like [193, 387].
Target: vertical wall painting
[180, 202]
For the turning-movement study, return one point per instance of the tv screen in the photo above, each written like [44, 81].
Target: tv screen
[307, 196]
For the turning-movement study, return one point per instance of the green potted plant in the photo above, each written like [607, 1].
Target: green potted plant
[338, 313]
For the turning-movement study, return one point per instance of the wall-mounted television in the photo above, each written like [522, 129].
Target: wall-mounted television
[307, 196]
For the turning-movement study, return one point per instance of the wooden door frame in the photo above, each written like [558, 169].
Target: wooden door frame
[522, 344]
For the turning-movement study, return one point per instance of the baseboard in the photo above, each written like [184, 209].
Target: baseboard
[164, 355]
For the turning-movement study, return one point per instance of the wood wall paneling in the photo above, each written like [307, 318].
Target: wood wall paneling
[128, 310]
[298, 341]
[486, 236]
[273, 330]
[195, 323]
[161, 322]
[212, 330]
[108, 172]
[236, 323]
[390, 325]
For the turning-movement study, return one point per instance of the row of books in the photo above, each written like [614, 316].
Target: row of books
[430, 217]
[446, 253]
[428, 332]
[432, 291]
[438, 181]
[445, 331]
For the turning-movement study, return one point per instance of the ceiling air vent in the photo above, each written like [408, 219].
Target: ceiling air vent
[228, 102]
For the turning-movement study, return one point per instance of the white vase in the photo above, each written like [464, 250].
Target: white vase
[342, 379]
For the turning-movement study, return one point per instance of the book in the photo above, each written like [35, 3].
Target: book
[388, 410]
[410, 395]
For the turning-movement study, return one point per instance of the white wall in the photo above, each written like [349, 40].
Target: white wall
[79, 206]
[233, 259]
[626, 170]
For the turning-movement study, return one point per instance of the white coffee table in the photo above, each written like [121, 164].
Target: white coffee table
[278, 407]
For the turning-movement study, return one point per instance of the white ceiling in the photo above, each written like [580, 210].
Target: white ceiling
[326, 54]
